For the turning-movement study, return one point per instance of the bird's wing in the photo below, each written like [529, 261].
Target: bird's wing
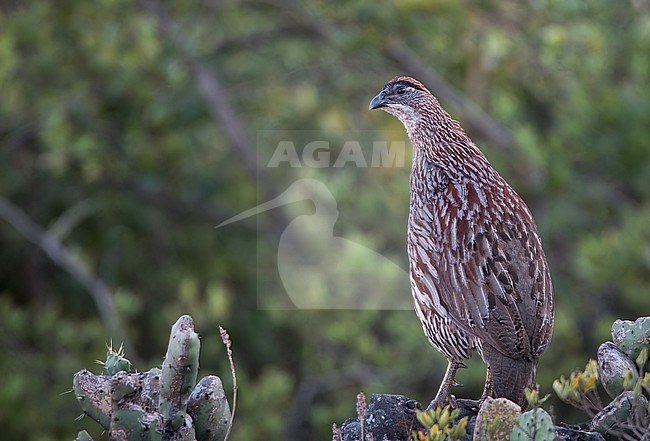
[497, 284]
[481, 265]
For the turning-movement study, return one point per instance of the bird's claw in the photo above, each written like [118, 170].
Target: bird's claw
[440, 402]
[473, 405]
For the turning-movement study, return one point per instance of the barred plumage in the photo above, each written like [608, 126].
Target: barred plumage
[479, 276]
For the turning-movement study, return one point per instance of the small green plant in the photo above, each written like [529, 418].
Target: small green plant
[115, 360]
[442, 425]
[536, 424]
[580, 389]
[533, 397]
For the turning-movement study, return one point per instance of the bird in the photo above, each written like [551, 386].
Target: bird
[479, 276]
[322, 271]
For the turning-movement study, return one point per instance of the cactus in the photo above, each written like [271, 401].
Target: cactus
[159, 404]
[115, 361]
[93, 393]
[622, 370]
[580, 389]
[621, 413]
[615, 369]
[179, 372]
[127, 424]
[495, 419]
[631, 336]
[83, 436]
[133, 409]
[209, 409]
[534, 425]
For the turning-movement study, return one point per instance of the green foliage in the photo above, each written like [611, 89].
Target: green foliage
[158, 404]
[533, 398]
[580, 388]
[441, 424]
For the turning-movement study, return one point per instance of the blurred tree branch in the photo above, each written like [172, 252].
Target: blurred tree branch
[477, 120]
[209, 86]
[168, 201]
[49, 243]
[255, 39]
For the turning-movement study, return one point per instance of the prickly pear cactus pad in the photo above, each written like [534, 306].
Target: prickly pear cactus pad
[93, 394]
[614, 367]
[621, 413]
[622, 369]
[160, 404]
[534, 425]
[495, 419]
[631, 336]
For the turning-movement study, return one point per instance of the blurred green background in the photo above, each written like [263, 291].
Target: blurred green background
[128, 132]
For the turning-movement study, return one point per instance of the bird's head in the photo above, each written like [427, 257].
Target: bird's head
[404, 98]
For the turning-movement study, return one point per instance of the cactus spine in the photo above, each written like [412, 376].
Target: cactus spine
[83, 436]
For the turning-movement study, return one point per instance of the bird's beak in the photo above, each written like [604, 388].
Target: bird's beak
[377, 102]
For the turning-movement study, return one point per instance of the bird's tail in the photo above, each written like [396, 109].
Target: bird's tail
[510, 376]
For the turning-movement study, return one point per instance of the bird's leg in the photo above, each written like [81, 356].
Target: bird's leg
[487, 391]
[444, 396]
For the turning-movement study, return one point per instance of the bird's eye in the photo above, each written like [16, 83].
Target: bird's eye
[401, 90]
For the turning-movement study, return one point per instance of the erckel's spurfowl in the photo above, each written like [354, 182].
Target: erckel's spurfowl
[479, 276]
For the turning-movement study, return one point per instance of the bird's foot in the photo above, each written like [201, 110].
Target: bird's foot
[476, 404]
[442, 401]
[473, 405]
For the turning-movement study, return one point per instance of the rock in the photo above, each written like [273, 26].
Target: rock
[390, 417]
[350, 430]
